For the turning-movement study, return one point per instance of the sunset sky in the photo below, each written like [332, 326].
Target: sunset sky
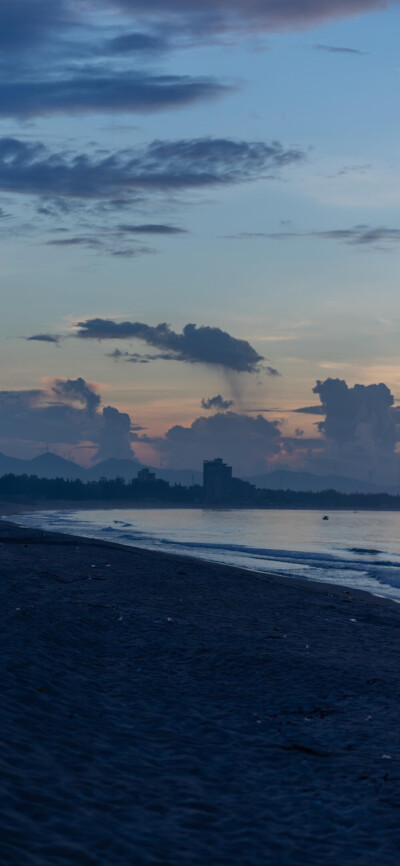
[231, 165]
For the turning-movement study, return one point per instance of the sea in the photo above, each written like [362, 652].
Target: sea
[356, 549]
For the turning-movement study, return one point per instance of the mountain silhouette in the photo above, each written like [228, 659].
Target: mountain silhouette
[51, 465]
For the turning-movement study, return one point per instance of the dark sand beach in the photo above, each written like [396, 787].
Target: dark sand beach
[161, 710]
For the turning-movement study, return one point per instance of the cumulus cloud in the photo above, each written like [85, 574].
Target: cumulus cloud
[361, 414]
[217, 402]
[245, 443]
[162, 166]
[115, 435]
[196, 345]
[66, 413]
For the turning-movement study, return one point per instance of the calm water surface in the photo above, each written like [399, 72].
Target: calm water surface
[355, 549]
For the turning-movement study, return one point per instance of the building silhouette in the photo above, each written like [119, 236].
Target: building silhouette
[217, 480]
[145, 476]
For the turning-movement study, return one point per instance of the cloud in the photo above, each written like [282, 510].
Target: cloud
[245, 443]
[79, 194]
[267, 15]
[115, 435]
[105, 91]
[361, 235]
[77, 390]
[31, 168]
[26, 23]
[360, 415]
[136, 43]
[311, 410]
[76, 241]
[217, 402]
[110, 242]
[44, 338]
[196, 345]
[151, 229]
[336, 49]
[66, 413]
[132, 357]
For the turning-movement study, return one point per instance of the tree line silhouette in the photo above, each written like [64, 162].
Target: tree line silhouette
[241, 495]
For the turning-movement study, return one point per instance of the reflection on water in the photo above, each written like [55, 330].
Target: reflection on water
[357, 549]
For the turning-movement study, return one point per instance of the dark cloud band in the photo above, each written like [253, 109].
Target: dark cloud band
[270, 15]
[107, 93]
[196, 345]
[162, 166]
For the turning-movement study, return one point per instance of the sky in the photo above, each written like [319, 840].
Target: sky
[200, 233]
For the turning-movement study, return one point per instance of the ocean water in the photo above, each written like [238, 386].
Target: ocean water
[355, 549]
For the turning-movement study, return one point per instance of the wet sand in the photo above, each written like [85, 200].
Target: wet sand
[163, 710]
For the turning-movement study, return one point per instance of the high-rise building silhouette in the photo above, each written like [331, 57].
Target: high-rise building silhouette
[217, 480]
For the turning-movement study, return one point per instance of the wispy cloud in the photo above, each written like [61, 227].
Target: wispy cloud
[337, 49]
[362, 235]
[268, 15]
[78, 195]
[44, 338]
[103, 91]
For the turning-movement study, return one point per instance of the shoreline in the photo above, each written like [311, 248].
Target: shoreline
[6, 506]
[372, 588]
[56, 537]
[161, 709]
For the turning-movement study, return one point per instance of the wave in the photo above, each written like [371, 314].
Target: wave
[369, 568]
[327, 560]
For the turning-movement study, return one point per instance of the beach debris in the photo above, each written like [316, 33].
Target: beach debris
[325, 517]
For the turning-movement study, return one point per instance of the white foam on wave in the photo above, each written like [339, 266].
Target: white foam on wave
[372, 569]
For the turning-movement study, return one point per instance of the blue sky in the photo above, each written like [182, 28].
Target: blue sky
[270, 211]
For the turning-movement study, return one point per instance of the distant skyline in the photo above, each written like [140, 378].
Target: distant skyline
[200, 233]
